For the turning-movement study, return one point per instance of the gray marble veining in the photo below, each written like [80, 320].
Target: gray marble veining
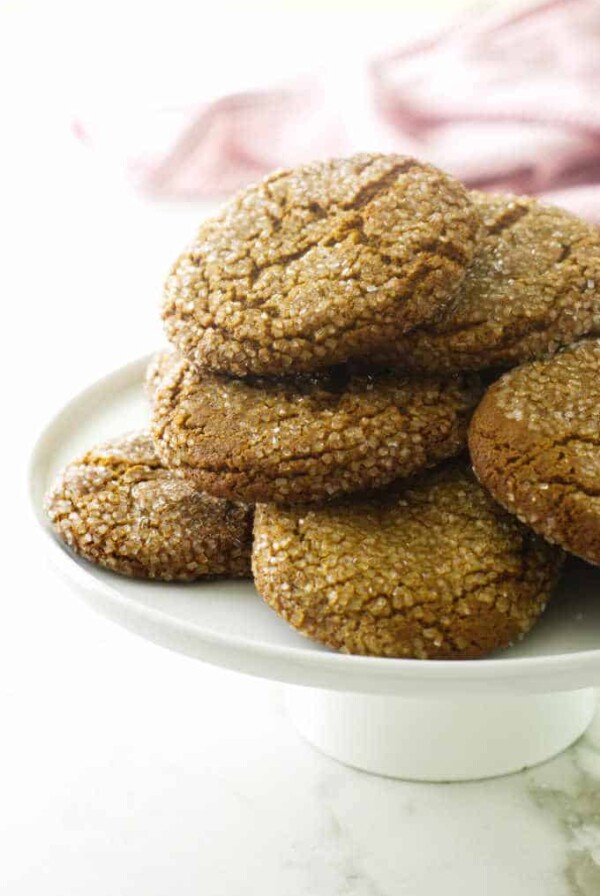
[568, 788]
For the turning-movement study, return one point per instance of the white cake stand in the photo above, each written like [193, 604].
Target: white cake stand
[429, 721]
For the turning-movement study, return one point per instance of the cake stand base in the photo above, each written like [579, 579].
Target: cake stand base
[463, 739]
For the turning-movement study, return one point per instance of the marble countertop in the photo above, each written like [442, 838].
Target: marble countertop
[128, 769]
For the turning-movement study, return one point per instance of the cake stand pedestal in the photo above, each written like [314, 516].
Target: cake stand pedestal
[457, 739]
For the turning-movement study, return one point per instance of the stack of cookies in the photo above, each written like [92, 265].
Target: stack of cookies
[339, 335]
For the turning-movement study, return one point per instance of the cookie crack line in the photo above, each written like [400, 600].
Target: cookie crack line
[360, 200]
[314, 206]
[417, 277]
[380, 185]
[447, 250]
[507, 220]
[569, 486]
[523, 460]
[515, 328]
[369, 192]
[565, 252]
[520, 325]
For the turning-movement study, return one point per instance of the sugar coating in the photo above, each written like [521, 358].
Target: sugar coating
[533, 286]
[117, 506]
[320, 264]
[535, 444]
[155, 372]
[430, 569]
[309, 438]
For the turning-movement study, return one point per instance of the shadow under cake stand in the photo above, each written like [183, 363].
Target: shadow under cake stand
[420, 720]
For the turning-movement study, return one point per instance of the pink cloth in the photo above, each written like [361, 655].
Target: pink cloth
[504, 101]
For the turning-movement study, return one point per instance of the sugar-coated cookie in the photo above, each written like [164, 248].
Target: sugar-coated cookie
[309, 438]
[117, 506]
[320, 264]
[533, 287]
[535, 444]
[432, 568]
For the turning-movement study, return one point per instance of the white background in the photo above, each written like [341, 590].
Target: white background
[125, 769]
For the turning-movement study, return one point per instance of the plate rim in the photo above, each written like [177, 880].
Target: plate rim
[550, 672]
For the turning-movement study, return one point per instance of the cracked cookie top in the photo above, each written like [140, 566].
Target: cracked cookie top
[320, 264]
[117, 506]
[307, 438]
[533, 286]
[431, 568]
[535, 444]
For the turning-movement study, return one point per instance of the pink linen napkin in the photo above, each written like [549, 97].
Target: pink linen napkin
[504, 100]
[214, 148]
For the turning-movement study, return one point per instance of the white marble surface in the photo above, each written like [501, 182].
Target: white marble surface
[131, 771]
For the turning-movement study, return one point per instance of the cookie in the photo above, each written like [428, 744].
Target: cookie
[117, 506]
[430, 569]
[535, 444]
[534, 286]
[317, 265]
[309, 438]
[155, 372]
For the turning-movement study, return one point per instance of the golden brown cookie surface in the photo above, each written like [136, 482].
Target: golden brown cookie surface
[320, 264]
[159, 365]
[430, 569]
[309, 438]
[535, 444]
[533, 286]
[117, 506]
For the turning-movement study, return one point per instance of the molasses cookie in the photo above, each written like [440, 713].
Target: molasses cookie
[535, 444]
[320, 264]
[155, 372]
[118, 506]
[430, 569]
[308, 438]
[534, 286]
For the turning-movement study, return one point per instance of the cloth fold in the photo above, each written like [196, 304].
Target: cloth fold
[506, 101]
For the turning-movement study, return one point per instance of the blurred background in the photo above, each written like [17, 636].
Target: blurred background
[123, 124]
